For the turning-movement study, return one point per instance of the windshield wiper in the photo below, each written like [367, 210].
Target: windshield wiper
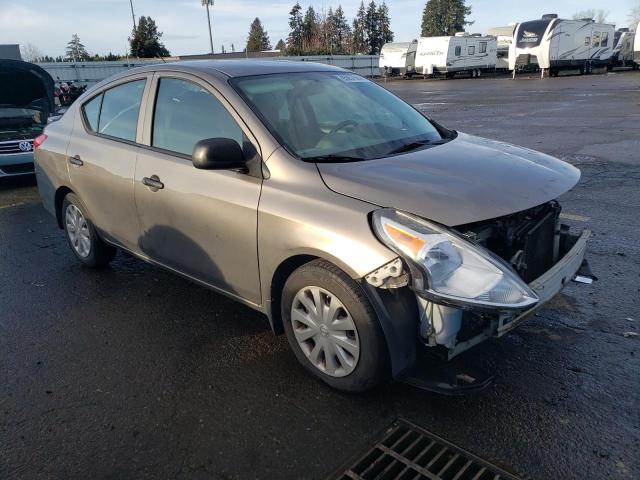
[333, 158]
[415, 145]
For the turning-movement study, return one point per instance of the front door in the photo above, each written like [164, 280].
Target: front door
[102, 160]
[202, 223]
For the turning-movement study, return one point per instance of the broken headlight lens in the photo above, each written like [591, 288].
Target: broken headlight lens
[454, 269]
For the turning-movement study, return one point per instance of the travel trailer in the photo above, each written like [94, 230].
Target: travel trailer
[623, 50]
[504, 39]
[451, 55]
[636, 48]
[394, 58]
[554, 44]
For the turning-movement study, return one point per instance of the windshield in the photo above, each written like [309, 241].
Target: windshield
[333, 116]
[530, 33]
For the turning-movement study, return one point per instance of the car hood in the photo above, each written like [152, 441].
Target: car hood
[466, 180]
[25, 85]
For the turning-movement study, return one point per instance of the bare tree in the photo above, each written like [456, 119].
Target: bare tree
[31, 53]
[597, 14]
[634, 17]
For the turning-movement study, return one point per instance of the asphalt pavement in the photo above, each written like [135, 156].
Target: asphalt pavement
[132, 372]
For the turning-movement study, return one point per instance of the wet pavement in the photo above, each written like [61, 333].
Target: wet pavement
[131, 372]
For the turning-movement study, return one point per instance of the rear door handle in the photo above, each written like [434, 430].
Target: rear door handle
[76, 160]
[153, 182]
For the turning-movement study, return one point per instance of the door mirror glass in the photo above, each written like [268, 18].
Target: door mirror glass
[218, 154]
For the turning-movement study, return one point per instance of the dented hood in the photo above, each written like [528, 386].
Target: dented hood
[466, 180]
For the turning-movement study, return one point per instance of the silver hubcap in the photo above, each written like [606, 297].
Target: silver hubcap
[78, 231]
[325, 331]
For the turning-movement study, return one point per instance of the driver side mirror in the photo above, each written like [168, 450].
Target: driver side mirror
[218, 154]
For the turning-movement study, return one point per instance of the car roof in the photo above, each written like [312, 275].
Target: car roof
[242, 68]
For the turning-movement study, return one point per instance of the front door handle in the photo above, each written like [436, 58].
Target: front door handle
[76, 160]
[153, 182]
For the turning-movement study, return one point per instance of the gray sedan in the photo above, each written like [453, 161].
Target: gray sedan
[366, 232]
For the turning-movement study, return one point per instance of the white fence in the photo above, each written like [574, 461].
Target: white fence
[93, 72]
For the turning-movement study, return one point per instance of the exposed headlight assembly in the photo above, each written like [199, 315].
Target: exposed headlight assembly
[451, 270]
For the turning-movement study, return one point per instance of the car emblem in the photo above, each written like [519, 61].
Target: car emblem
[25, 146]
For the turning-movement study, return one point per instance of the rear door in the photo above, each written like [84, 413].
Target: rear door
[202, 223]
[102, 157]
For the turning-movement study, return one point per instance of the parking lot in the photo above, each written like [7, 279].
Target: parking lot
[132, 372]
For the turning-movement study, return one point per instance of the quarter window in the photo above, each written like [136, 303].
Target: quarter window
[595, 40]
[120, 108]
[91, 111]
[458, 51]
[471, 50]
[483, 47]
[605, 39]
[186, 113]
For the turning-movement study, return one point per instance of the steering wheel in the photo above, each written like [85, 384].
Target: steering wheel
[341, 125]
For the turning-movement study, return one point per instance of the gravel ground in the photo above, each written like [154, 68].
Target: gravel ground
[132, 372]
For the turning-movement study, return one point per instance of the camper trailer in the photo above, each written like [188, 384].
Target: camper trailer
[636, 48]
[623, 51]
[451, 55]
[553, 44]
[394, 58]
[504, 39]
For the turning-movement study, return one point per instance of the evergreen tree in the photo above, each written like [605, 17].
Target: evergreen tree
[233, 48]
[384, 26]
[444, 17]
[359, 31]
[75, 50]
[281, 45]
[145, 40]
[311, 43]
[341, 33]
[258, 39]
[372, 29]
[294, 40]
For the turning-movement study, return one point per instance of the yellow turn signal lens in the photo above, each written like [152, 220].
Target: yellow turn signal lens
[410, 243]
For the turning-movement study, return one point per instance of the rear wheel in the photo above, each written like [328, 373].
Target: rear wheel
[332, 329]
[82, 236]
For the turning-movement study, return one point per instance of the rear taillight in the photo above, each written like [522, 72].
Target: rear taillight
[39, 140]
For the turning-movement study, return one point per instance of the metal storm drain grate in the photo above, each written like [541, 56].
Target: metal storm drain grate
[408, 452]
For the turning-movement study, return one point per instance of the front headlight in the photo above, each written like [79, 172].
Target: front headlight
[455, 270]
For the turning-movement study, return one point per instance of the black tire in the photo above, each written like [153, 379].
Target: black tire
[100, 254]
[372, 366]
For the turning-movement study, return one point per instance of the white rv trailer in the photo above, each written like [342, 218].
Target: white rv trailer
[394, 58]
[450, 55]
[554, 44]
[636, 48]
[623, 50]
[504, 39]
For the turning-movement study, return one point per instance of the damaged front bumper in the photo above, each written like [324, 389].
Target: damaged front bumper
[440, 325]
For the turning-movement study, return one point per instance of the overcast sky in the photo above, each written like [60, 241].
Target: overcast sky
[104, 25]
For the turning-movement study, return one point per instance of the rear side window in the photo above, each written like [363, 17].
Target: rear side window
[458, 51]
[471, 50]
[91, 111]
[186, 113]
[120, 109]
[483, 47]
[605, 39]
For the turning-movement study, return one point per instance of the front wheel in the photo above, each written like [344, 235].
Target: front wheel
[82, 236]
[332, 328]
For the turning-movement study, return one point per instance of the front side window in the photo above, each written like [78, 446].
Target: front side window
[319, 116]
[471, 50]
[458, 51]
[91, 111]
[120, 108]
[483, 47]
[605, 39]
[186, 113]
[595, 40]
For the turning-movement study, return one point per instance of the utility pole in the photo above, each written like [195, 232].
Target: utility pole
[207, 3]
[133, 16]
